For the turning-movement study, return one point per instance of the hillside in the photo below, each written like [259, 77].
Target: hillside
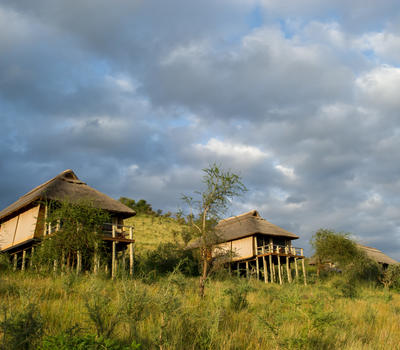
[150, 230]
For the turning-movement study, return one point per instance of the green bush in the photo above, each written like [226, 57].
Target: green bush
[22, 330]
[5, 262]
[67, 341]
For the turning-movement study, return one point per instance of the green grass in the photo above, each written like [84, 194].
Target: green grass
[168, 314]
[165, 312]
[149, 231]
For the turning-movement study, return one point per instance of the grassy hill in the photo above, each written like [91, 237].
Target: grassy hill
[150, 230]
[46, 310]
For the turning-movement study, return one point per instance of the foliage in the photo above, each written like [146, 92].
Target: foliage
[338, 248]
[5, 263]
[101, 312]
[21, 330]
[65, 341]
[238, 296]
[391, 276]
[166, 257]
[80, 226]
[220, 188]
[140, 207]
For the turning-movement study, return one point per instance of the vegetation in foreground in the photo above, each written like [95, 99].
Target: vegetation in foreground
[88, 312]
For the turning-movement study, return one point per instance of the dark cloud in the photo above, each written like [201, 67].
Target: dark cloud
[137, 97]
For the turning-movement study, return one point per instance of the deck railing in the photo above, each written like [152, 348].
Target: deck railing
[279, 249]
[118, 231]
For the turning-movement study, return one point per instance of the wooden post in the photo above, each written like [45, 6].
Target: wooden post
[257, 268]
[271, 272]
[113, 262]
[55, 265]
[23, 260]
[279, 269]
[31, 256]
[15, 261]
[95, 259]
[238, 269]
[265, 270]
[78, 262]
[304, 271]
[296, 269]
[247, 269]
[289, 276]
[62, 261]
[131, 261]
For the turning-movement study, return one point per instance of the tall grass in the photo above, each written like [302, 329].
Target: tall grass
[168, 314]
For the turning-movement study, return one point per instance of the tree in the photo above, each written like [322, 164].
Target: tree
[220, 188]
[78, 227]
[338, 248]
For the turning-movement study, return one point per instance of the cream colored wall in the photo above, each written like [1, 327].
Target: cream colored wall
[26, 225]
[241, 248]
[19, 229]
[7, 231]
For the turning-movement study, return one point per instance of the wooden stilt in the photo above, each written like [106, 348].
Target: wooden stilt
[271, 270]
[238, 269]
[131, 261]
[62, 267]
[265, 269]
[15, 261]
[23, 260]
[55, 265]
[78, 262]
[95, 260]
[113, 260]
[247, 269]
[279, 269]
[31, 256]
[304, 271]
[296, 269]
[289, 273]
[257, 268]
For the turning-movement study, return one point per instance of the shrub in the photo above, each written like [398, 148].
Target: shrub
[67, 341]
[22, 330]
[238, 296]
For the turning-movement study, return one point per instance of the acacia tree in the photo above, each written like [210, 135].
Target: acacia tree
[220, 188]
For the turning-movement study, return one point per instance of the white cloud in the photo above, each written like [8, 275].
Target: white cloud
[288, 172]
[240, 152]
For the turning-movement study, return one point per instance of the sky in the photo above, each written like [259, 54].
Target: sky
[300, 98]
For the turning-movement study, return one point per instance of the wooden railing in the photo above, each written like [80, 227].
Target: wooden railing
[279, 249]
[118, 231]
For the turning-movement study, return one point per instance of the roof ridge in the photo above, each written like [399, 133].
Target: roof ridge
[251, 213]
[60, 175]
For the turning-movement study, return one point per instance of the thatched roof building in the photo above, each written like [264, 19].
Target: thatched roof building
[377, 255]
[23, 220]
[248, 224]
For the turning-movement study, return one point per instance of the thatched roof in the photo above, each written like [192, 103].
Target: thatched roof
[248, 224]
[67, 186]
[377, 255]
[244, 225]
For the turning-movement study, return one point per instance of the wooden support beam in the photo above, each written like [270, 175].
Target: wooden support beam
[265, 269]
[279, 269]
[289, 275]
[271, 270]
[78, 262]
[257, 268]
[296, 269]
[238, 269]
[247, 269]
[131, 247]
[62, 267]
[23, 260]
[113, 260]
[31, 256]
[15, 261]
[55, 265]
[304, 271]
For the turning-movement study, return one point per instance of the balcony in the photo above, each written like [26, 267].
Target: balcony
[274, 249]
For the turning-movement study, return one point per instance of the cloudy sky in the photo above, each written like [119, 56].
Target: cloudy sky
[301, 98]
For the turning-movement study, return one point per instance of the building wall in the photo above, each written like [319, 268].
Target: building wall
[19, 228]
[241, 248]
